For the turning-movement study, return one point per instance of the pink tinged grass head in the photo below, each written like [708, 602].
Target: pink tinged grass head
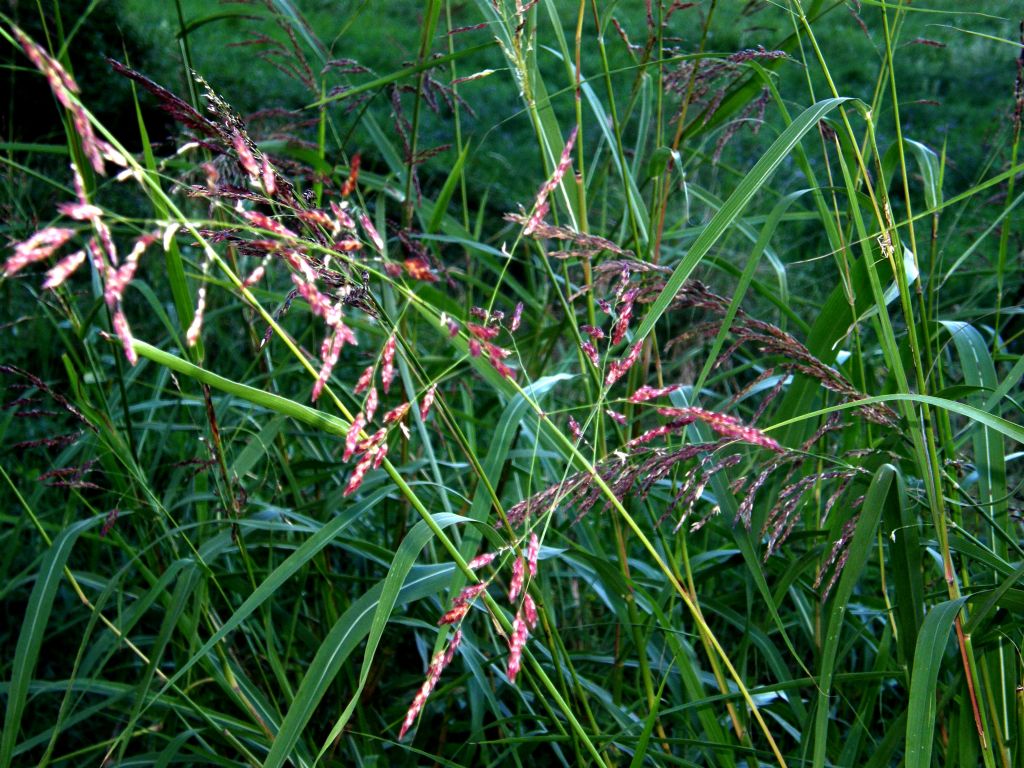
[344, 221]
[64, 269]
[192, 334]
[387, 366]
[437, 665]
[727, 426]
[470, 593]
[428, 401]
[517, 318]
[352, 438]
[124, 333]
[263, 221]
[484, 333]
[654, 434]
[575, 429]
[330, 350]
[318, 302]
[364, 381]
[481, 560]
[625, 313]
[520, 631]
[516, 587]
[619, 367]
[379, 455]
[591, 353]
[269, 177]
[594, 333]
[254, 277]
[494, 354]
[106, 241]
[455, 615]
[353, 176]
[370, 406]
[372, 442]
[64, 88]
[396, 414]
[245, 156]
[474, 348]
[319, 219]
[38, 247]
[532, 551]
[540, 206]
[118, 279]
[646, 393]
[615, 416]
[359, 473]
[371, 232]
[80, 211]
[529, 611]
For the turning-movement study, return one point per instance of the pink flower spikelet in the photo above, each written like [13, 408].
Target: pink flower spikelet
[437, 665]
[397, 413]
[727, 426]
[649, 393]
[520, 632]
[481, 560]
[370, 406]
[517, 579]
[352, 438]
[387, 366]
[619, 367]
[532, 551]
[428, 401]
[364, 381]
[517, 318]
[575, 429]
[540, 205]
[591, 353]
[36, 248]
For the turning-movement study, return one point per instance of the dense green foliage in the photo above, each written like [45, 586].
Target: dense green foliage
[612, 383]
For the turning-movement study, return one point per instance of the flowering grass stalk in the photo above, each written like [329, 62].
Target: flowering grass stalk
[705, 454]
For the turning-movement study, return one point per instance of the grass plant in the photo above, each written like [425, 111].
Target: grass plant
[320, 449]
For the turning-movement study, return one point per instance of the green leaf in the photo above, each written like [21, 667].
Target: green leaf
[733, 207]
[931, 645]
[445, 195]
[404, 559]
[347, 632]
[879, 495]
[33, 628]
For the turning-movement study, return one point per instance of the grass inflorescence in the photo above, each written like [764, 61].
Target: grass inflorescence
[688, 436]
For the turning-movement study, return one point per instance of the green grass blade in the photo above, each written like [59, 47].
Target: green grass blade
[931, 645]
[447, 190]
[337, 645]
[879, 495]
[733, 207]
[905, 565]
[403, 562]
[989, 451]
[33, 628]
[278, 577]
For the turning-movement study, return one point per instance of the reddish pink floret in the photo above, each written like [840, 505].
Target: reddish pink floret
[619, 367]
[38, 247]
[437, 665]
[517, 579]
[387, 366]
[481, 560]
[428, 401]
[364, 380]
[532, 551]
